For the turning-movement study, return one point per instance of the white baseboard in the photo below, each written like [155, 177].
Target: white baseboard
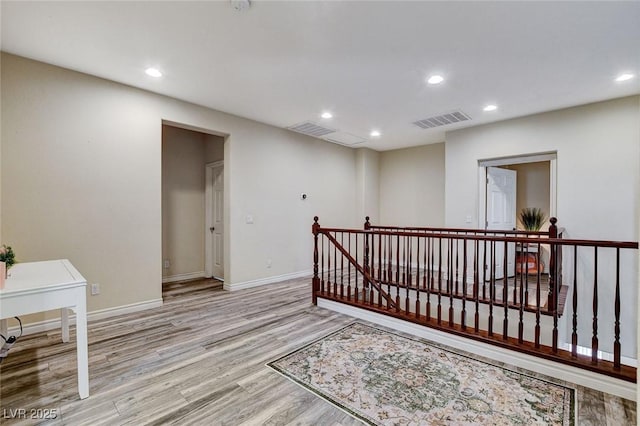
[565, 372]
[54, 324]
[265, 281]
[183, 277]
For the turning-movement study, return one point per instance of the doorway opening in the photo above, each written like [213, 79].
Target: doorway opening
[510, 184]
[186, 152]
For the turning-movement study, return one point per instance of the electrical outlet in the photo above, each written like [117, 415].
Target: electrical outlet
[95, 289]
[167, 264]
[268, 263]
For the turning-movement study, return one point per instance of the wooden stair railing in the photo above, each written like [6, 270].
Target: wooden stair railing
[443, 278]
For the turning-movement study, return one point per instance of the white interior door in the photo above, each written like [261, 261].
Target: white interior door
[214, 250]
[501, 215]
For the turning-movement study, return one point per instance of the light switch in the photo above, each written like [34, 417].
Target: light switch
[468, 219]
[249, 219]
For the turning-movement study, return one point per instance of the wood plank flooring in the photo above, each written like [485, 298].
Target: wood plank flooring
[199, 359]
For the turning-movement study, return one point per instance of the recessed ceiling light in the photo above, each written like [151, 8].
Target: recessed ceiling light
[326, 114]
[490, 108]
[435, 79]
[375, 134]
[153, 72]
[624, 77]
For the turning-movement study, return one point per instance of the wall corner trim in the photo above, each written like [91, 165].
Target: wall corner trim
[267, 280]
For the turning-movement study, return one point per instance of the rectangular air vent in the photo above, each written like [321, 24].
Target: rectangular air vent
[442, 120]
[311, 129]
[343, 138]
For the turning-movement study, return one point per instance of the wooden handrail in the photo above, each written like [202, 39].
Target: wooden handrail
[558, 241]
[435, 276]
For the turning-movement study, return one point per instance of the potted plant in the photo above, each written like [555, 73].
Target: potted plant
[532, 218]
[7, 258]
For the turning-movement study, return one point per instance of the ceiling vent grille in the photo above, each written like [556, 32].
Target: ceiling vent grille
[311, 129]
[442, 120]
[343, 138]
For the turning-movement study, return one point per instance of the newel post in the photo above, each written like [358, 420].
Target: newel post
[553, 276]
[315, 229]
[367, 269]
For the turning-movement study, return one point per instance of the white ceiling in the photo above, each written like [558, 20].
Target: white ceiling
[283, 63]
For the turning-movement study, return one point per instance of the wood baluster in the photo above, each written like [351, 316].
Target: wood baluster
[574, 333]
[476, 286]
[356, 291]
[316, 279]
[389, 258]
[492, 283]
[398, 261]
[367, 270]
[389, 270]
[526, 281]
[524, 256]
[594, 339]
[463, 315]
[380, 268]
[417, 278]
[554, 344]
[322, 274]
[408, 263]
[342, 267]
[553, 233]
[439, 280]
[521, 317]
[429, 275]
[484, 273]
[505, 294]
[349, 271]
[372, 270]
[616, 342]
[335, 266]
[538, 302]
[404, 261]
[398, 267]
[450, 278]
[457, 268]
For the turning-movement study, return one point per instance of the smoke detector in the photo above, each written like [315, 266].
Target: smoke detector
[241, 5]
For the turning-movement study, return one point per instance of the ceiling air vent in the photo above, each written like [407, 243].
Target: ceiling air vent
[442, 120]
[343, 138]
[311, 129]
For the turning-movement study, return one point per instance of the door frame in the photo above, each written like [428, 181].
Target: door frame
[208, 202]
[552, 157]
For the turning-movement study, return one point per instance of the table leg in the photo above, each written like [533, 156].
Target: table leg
[82, 345]
[4, 328]
[64, 319]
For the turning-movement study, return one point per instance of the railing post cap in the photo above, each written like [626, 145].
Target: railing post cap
[553, 220]
[315, 219]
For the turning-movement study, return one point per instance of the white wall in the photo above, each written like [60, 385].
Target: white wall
[412, 186]
[598, 180]
[81, 179]
[368, 184]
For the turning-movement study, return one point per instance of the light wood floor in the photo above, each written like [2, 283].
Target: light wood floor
[199, 359]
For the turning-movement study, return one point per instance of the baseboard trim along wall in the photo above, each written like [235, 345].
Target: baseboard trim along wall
[571, 374]
[265, 281]
[183, 277]
[53, 324]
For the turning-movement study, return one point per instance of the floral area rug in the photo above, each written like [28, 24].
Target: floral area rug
[383, 378]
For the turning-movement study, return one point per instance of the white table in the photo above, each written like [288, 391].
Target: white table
[42, 286]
